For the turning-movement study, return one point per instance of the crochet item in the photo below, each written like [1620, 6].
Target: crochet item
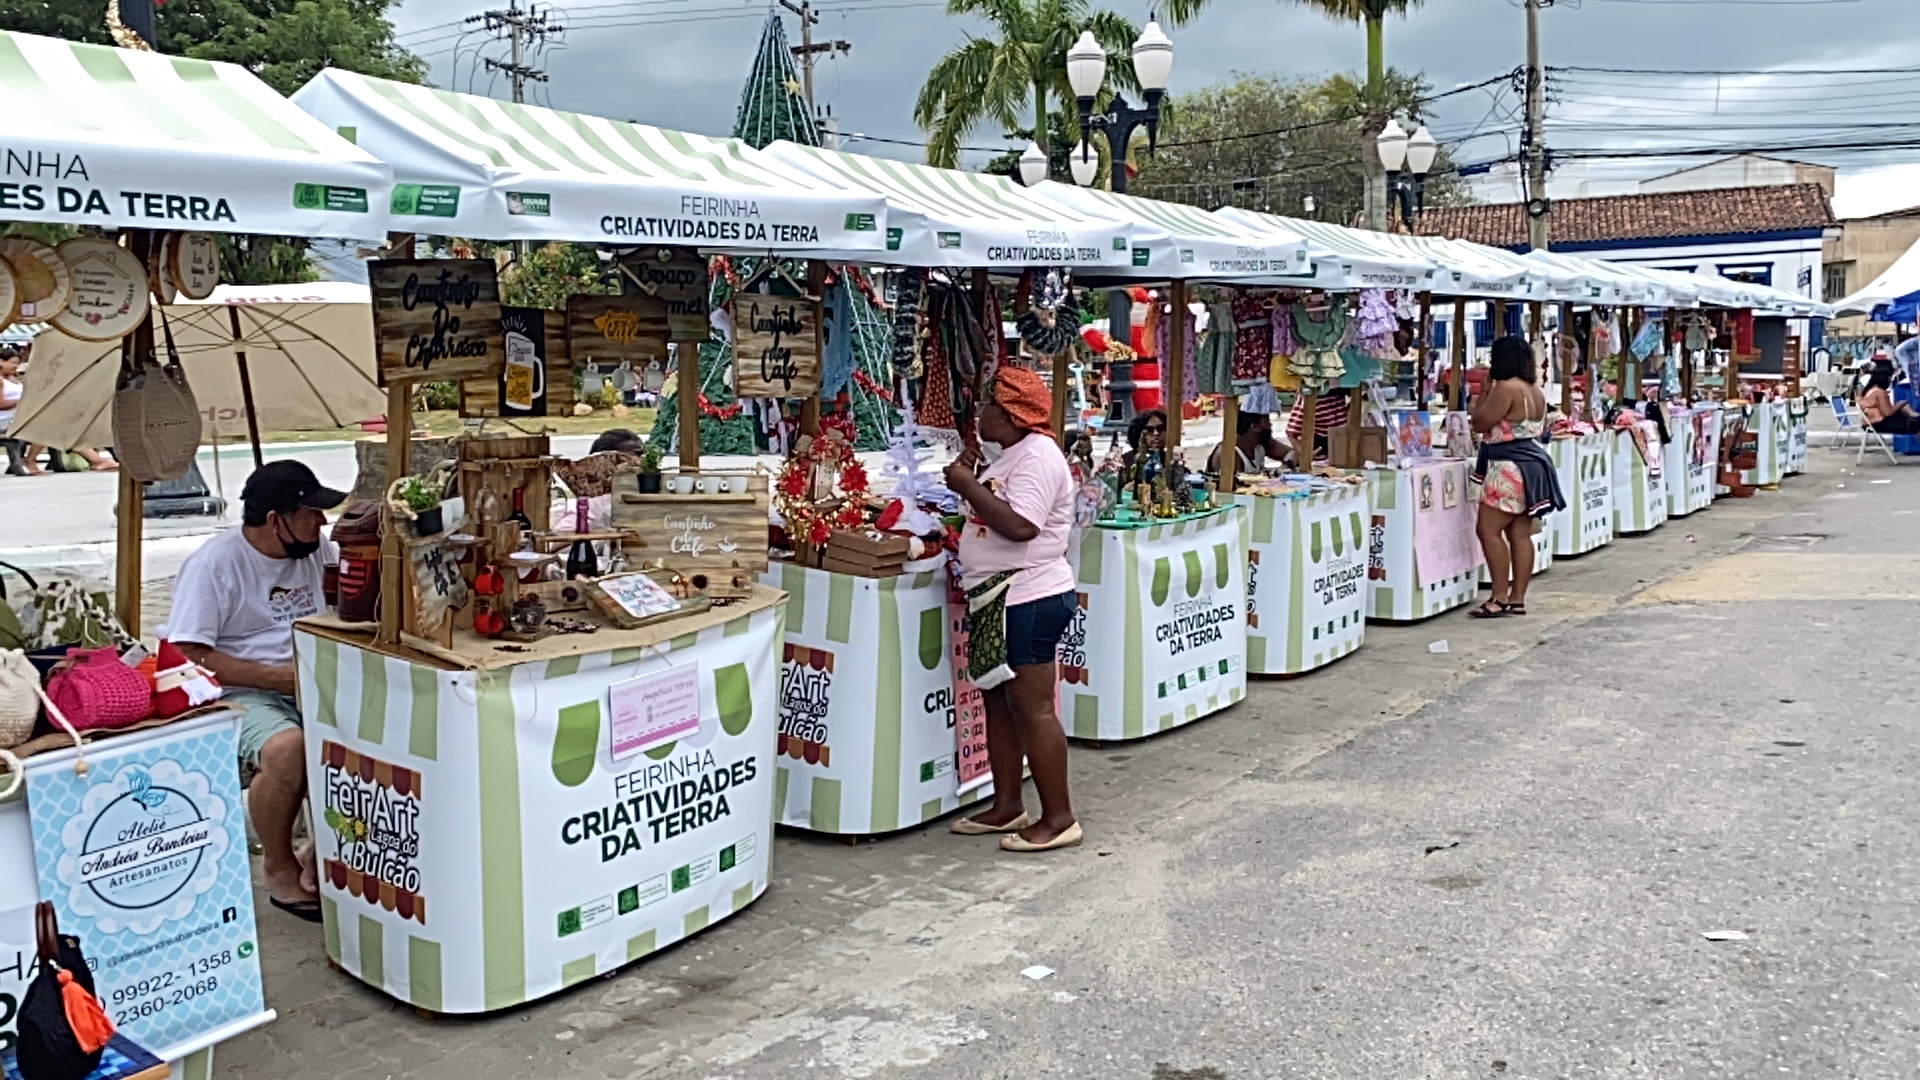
[1316, 361]
[1253, 339]
[1260, 398]
[906, 320]
[1216, 354]
[987, 631]
[1283, 340]
[1376, 324]
[179, 684]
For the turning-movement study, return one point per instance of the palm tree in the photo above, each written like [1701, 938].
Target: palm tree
[1373, 15]
[1015, 79]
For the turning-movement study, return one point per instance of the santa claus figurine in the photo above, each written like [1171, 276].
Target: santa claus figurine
[179, 684]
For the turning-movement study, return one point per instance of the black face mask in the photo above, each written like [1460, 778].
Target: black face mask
[297, 549]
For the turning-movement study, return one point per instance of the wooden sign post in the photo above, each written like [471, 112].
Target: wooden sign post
[677, 277]
[435, 319]
[776, 345]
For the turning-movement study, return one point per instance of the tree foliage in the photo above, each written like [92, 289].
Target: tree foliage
[1268, 142]
[1017, 77]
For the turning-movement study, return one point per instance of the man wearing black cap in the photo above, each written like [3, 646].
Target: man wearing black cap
[234, 606]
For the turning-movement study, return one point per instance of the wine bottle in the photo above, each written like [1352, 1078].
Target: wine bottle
[581, 561]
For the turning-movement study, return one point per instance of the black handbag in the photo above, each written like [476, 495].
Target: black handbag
[61, 1028]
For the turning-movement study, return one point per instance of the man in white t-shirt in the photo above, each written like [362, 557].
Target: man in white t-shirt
[234, 606]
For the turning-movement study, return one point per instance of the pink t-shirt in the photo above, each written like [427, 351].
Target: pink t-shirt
[1033, 478]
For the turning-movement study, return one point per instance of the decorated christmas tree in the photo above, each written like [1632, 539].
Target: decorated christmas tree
[773, 108]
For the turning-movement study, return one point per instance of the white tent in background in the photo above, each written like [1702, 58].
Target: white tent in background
[1892, 297]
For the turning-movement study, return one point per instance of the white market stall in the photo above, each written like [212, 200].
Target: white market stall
[1423, 554]
[876, 731]
[151, 145]
[1639, 485]
[491, 831]
[1585, 466]
[1693, 456]
[1160, 637]
[1307, 578]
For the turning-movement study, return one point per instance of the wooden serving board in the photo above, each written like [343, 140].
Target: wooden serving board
[717, 542]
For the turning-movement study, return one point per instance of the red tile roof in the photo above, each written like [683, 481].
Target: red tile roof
[1665, 215]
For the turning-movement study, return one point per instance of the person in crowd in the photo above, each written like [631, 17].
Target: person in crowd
[1519, 483]
[618, 440]
[1329, 412]
[10, 390]
[1020, 517]
[1253, 444]
[1146, 435]
[234, 605]
[1882, 413]
[1907, 355]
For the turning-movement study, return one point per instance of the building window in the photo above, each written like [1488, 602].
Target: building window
[1751, 273]
[1837, 281]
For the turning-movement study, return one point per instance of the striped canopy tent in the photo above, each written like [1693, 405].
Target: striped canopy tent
[1344, 259]
[1773, 300]
[947, 218]
[118, 138]
[1591, 281]
[474, 166]
[1475, 270]
[1174, 241]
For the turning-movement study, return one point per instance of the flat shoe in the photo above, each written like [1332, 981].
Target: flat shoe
[966, 826]
[1070, 838]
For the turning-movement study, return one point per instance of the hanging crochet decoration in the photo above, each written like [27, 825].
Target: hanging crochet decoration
[804, 492]
[1052, 319]
[906, 321]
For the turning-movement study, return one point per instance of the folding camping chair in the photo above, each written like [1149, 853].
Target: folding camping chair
[1850, 426]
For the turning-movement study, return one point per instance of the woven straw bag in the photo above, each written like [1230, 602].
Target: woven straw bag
[19, 699]
[156, 421]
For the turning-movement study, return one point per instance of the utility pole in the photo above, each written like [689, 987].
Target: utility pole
[521, 27]
[1539, 207]
[808, 49]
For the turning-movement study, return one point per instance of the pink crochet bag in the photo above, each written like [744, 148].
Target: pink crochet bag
[101, 692]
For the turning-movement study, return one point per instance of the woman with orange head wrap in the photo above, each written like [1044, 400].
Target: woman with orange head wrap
[1020, 597]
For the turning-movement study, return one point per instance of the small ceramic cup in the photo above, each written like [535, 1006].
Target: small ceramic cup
[682, 484]
[736, 485]
[713, 485]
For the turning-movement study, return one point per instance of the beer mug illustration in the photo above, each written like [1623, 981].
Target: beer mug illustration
[525, 379]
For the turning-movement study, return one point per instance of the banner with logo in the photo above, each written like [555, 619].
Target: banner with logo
[1160, 637]
[1585, 465]
[1639, 493]
[1398, 592]
[145, 860]
[1795, 461]
[485, 839]
[1306, 579]
[1542, 556]
[1769, 420]
[869, 713]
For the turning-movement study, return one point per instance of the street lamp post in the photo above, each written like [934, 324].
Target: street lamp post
[1407, 159]
[1087, 72]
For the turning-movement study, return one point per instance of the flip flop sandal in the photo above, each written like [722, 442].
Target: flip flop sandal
[1070, 838]
[966, 826]
[1492, 609]
[299, 909]
[1516, 610]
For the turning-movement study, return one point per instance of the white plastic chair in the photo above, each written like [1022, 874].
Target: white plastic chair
[1849, 426]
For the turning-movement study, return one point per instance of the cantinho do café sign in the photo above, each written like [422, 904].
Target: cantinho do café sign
[436, 318]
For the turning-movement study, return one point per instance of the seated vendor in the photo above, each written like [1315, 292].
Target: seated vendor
[234, 606]
[1329, 412]
[1253, 444]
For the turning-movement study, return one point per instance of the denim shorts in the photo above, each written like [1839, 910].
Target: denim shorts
[1034, 628]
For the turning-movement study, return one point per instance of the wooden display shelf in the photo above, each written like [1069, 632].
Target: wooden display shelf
[634, 497]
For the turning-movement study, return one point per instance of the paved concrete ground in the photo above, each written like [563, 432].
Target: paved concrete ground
[1495, 862]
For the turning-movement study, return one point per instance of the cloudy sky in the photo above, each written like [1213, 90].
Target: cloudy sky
[680, 63]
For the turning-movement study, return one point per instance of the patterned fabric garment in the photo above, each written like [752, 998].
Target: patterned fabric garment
[987, 631]
[1151, 330]
[1253, 340]
[1330, 411]
[1217, 352]
[1163, 345]
[936, 401]
[1505, 488]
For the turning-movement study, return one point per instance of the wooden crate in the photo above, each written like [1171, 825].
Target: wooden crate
[862, 568]
[717, 542]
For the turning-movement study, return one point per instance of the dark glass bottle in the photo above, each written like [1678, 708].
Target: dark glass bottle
[581, 561]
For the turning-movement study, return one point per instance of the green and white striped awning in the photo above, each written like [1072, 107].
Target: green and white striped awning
[1591, 281]
[943, 217]
[474, 166]
[94, 135]
[1346, 258]
[1173, 240]
[1473, 270]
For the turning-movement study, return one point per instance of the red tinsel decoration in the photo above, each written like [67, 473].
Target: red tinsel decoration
[866, 382]
[718, 412]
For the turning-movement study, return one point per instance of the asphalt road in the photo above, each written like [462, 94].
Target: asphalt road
[1501, 861]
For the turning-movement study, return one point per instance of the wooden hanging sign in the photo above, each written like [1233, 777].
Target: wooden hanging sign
[436, 318]
[776, 340]
[615, 328]
[481, 396]
[678, 276]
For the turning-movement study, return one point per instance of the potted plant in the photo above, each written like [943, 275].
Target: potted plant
[423, 499]
[650, 471]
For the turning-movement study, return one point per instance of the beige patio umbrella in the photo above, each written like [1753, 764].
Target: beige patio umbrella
[302, 354]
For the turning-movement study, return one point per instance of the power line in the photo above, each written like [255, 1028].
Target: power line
[520, 28]
[1708, 72]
